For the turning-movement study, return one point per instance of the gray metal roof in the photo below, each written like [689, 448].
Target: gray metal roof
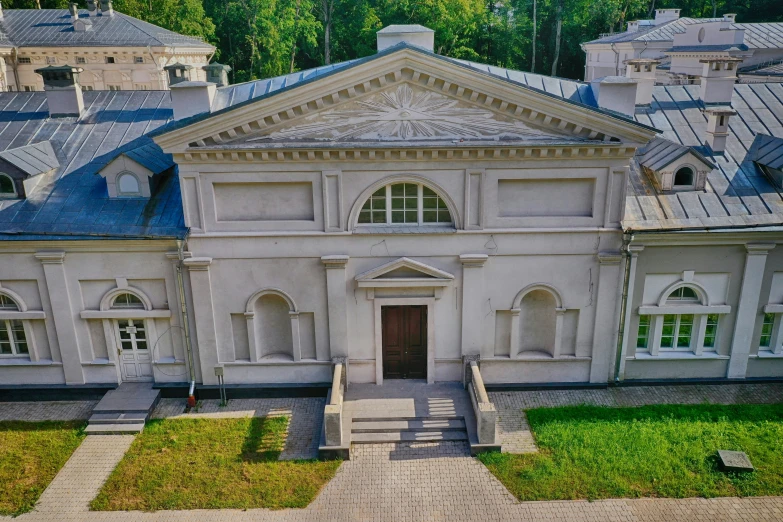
[706, 48]
[774, 68]
[399, 29]
[54, 27]
[757, 35]
[737, 192]
[660, 153]
[32, 159]
[73, 202]
[768, 151]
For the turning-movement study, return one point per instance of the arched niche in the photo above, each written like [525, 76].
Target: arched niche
[273, 326]
[537, 322]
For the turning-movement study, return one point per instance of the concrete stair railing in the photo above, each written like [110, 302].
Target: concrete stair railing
[333, 411]
[486, 414]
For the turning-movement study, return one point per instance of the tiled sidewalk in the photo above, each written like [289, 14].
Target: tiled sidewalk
[44, 411]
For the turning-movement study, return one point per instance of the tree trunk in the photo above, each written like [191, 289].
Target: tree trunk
[557, 36]
[652, 9]
[327, 8]
[535, 27]
[296, 35]
[714, 8]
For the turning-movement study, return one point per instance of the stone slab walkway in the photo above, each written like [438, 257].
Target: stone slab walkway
[46, 411]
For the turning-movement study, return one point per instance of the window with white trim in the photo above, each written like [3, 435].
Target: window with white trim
[12, 337]
[711, 331]
[128, 185]
[406, 203]
[643, 334]
[7, 186]
[677, 332]
[127, 301]
[766, 331]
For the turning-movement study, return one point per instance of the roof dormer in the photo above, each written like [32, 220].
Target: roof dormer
[133, 174]
[22, 168]
[674, 167]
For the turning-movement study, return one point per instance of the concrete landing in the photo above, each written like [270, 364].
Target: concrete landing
[123, 410]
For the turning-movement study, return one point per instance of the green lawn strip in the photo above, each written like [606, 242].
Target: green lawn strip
[31, 454]
[212, 463]
[588, 452]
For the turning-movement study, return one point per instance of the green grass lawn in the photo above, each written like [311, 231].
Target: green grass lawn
[654, 451]
[212, 463]
[31, 454]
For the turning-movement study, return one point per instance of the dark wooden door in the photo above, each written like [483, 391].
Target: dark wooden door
[404, 342]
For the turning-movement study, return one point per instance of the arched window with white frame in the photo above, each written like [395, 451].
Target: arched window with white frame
[7, 186]
[13, 339]
[405, 203]
[128, 185]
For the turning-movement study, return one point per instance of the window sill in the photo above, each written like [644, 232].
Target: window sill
[767, 354]
[677, 356]
[25, 361]
[404, 229]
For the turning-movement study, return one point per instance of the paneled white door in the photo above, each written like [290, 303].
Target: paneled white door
[134, 352]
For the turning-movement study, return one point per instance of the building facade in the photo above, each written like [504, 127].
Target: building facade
[406, 212]
[116, 51]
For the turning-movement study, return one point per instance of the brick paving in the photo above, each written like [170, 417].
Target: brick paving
[48, 410]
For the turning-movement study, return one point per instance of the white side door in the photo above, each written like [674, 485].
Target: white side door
[134, 353]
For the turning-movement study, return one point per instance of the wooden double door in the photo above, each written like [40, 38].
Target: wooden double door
[404, 342]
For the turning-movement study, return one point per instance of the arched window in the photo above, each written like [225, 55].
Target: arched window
[683, 294]
[683, 177]
[7, 187]
[127, 302]
[406, 203]
[128, 184]
[12, 336]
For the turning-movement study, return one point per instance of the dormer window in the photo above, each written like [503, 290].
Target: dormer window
[7, 186]
[128, 185]
[683, 178]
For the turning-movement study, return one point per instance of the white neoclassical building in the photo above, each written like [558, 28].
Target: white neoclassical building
[405, 212]
[116, 51]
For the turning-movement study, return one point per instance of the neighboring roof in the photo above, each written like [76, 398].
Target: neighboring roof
[737, 194]
[399, 29]
[660, 153]
[768, 151]
[757, 35]
[54, 27]
[32, 159]
[73, 202]
[763, 69]
[707, 48]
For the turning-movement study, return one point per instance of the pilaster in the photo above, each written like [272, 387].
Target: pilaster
[748, 308]
[472, 300]
[203, 315]
[606, 305]
[337, 303]
[63, 314]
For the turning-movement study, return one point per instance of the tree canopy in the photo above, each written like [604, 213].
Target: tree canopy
[262, 38]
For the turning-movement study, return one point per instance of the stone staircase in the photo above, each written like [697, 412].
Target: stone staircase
[124, 410]
[379, 430]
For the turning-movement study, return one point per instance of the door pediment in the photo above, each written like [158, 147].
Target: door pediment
[402, 96]
[404, 273]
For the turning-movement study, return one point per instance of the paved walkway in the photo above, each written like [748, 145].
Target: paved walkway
[45, 411]
[414, 481]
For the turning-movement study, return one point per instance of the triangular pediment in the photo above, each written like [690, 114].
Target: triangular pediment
[401, 96]
[406, 269]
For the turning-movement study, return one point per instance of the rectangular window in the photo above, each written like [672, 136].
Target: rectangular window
[110, 59]
[87, 88]
[114, 88]
[25, 59]
[12, 338]
[141, 86]
[643, 336]
[677, 332]
[29, 88]
[766, 330]
[711, 331]
[668, 331]
[138, 59]
[684, 331]
[404, 203]
[81, 60]
[51, 60]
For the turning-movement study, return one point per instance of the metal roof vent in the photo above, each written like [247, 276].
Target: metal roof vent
[63, 91]
[92, 7]
[417, 35]
[217, 73]
[178, 73]
[73, 9]
[106, 8]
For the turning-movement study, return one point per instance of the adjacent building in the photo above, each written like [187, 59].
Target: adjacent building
[406, 213]
[116, 51]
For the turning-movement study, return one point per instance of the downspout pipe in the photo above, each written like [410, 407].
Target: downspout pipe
[627, 238]
[186, 323]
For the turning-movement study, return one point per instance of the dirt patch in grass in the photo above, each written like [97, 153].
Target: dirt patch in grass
[31, 454]
[591, 452]
[212, 463]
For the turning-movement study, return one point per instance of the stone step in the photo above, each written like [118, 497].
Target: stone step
[407, 436]
[431, 424]
[118, 418]
[369, 418]
[114, 429]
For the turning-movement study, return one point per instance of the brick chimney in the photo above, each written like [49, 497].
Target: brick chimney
[643, 71]
[63, 91]
[417, 35]
[718, 127]
[717, 80]
[615, 93]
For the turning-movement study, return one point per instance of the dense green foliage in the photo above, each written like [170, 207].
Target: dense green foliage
[261, 38]
[31, 454]
[591, 452]
[212, 464]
